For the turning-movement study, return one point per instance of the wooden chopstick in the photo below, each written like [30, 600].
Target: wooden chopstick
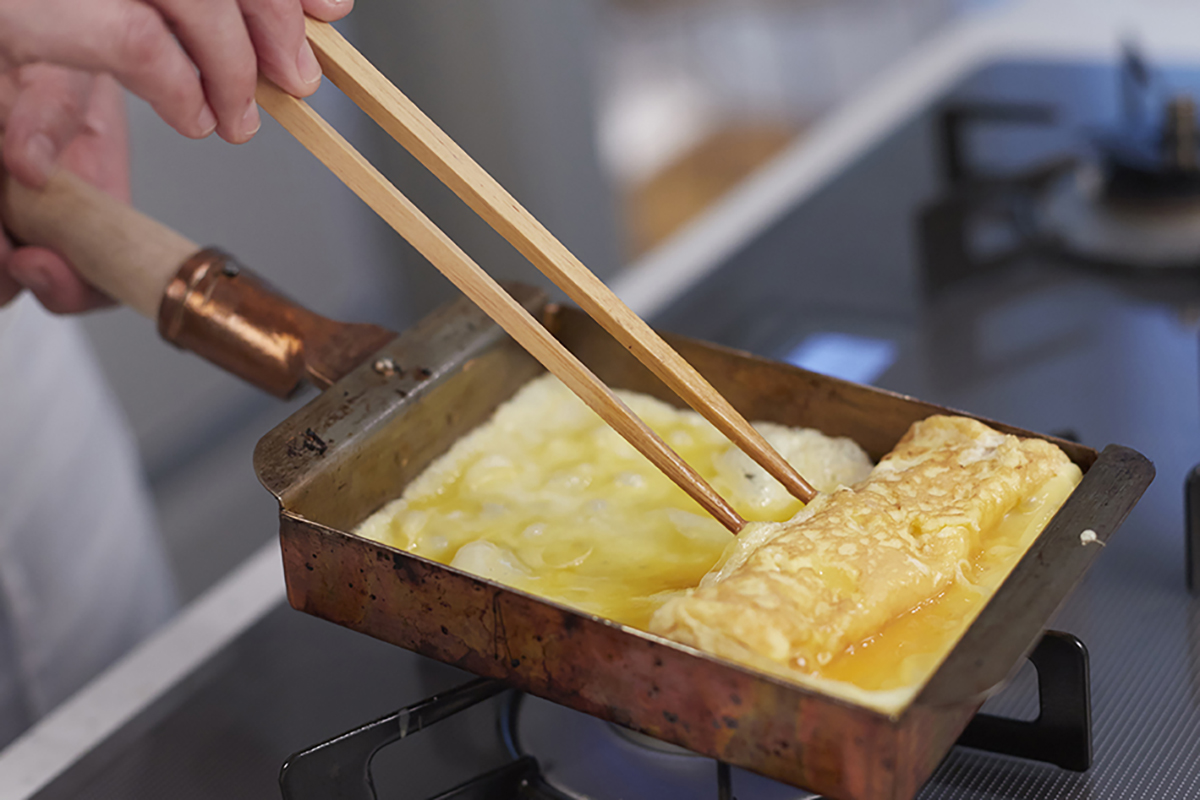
[398, 211]
[408, 125]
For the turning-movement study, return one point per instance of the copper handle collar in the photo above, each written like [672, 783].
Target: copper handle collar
[230, 317]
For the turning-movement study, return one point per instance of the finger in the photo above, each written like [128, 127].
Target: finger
[215, 36]
[9, 288]
[100, 153]
[128, 38]
[284, 55]
[48, 114]
[8, 94]
[56, 285]
[327, 10]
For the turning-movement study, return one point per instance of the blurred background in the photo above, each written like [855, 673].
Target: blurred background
[993, 205]
[616, 122]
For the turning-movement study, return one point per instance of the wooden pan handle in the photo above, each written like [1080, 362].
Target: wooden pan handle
[120, 251]
[201, 299]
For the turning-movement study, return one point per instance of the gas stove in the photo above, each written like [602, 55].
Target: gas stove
[557, 753]
[1021, 328]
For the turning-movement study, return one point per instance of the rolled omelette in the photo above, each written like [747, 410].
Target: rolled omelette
[793, 595]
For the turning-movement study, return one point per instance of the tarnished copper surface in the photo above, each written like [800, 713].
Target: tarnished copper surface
[617, 673]
[377, 432]
[230, 317]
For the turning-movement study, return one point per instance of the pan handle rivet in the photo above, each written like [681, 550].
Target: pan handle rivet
[230, 269]
[386, 367]
[1089, 537]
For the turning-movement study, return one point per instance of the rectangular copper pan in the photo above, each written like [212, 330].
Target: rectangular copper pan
[357, 445]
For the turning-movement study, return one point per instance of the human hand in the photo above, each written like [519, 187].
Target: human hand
[195, 63]
[98, 152]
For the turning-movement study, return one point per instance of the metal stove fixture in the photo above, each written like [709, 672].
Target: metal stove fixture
[1124, 202]
[1191, 540]
[1152, 157]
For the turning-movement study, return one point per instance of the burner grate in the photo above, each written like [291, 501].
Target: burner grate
[341, 766]
[1191, 541]
[1062, 732]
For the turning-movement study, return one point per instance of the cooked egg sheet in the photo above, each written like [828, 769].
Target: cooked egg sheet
[793, 596]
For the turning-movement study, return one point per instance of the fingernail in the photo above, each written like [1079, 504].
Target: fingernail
[251, 122]
[310, 69]
[207, 121]
[42, 154]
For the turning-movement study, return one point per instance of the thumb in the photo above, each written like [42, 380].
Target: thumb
[47, 114]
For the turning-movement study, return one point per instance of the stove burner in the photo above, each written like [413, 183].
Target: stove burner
[585, 757]
[1125, 202]
[1146, 223]
[580, 756]
[1156, 163]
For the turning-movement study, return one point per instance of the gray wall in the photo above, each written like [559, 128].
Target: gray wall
[512, 82]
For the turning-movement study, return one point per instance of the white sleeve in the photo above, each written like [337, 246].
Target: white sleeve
[83, 575]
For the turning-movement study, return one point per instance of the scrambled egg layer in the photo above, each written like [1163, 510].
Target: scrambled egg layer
[860, 595]
[547, 498]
